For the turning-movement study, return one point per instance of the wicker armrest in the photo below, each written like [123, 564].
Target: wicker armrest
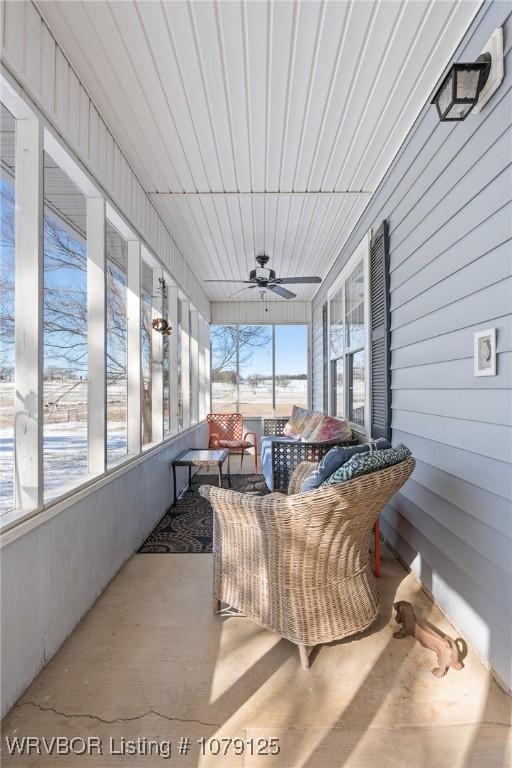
[300, 473]
[224, 500]
[214, 493]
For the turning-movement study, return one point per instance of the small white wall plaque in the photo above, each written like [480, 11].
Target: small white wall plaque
[484, 353]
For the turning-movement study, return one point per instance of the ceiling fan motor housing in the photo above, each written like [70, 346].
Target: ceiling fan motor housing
[261, 274]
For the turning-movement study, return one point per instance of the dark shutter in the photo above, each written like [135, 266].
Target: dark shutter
[380, 334]
[325, 352]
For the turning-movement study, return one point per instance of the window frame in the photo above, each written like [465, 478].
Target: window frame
[95, 307]
[28, 448]
[273, 325]
[360, 254]
[121, 459]
[8, 177]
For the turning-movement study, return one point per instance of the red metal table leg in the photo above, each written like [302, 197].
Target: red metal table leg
[376, 561]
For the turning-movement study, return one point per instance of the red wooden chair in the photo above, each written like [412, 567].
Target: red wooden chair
[225, 430]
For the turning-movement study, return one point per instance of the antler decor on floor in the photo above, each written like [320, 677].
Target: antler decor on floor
[448, 651]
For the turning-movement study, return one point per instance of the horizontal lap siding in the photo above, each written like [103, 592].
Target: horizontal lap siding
[448, 202]
[318, 358]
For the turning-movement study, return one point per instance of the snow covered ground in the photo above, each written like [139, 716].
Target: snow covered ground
[65, 442]
[65, 458]
[65, 435]
[256, 399]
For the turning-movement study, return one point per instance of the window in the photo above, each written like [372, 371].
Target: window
[117, 345]
[7, 271]
[194, 365]
[184, 372]
[348, 347]
[97, 401]
[166, 367]
[255, 397]
[224, 365]
[291, 356]
[259, 370]
[180, 383]
[147, 351]
[64, 331]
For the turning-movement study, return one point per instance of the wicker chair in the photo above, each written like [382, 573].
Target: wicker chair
[299, 564]
[225, 430]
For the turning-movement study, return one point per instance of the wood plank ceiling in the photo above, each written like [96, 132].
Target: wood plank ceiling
[259, 126]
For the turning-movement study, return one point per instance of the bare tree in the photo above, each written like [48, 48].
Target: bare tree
[64, 303]
[65, 298]
[224, 341]
[147, 365]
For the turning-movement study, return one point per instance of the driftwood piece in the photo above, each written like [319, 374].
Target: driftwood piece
[448, 651]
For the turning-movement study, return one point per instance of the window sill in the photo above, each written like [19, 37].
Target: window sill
[18, 522]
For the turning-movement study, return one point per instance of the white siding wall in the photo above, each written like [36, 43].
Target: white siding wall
[447, 198]
[53, 573]
[32, 56]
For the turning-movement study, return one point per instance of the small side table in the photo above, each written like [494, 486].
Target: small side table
[200, 457]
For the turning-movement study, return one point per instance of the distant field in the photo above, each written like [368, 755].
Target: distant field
[256, 400]
[65, 426]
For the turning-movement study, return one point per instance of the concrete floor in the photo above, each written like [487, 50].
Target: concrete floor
[150, 660]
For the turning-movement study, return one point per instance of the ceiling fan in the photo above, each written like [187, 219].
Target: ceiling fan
[265, 278]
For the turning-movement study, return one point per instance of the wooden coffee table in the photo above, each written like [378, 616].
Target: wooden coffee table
[200, 457]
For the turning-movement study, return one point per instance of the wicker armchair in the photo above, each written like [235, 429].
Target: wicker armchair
[288, 454]
[299, 564]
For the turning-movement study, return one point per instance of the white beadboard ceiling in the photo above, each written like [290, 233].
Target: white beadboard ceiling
[259, 126]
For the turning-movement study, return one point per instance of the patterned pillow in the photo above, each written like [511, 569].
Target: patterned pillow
[310, 424]
[365, 463]
[336, 457]
[294, 426]
[329, 430]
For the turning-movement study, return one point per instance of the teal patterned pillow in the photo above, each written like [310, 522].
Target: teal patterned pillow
[364, 463]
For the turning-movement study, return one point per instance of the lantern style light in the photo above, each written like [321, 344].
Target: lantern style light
[461, 88]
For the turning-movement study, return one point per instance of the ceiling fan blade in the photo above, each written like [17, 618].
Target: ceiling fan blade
[228, 281]
[281, 291]
[247, 288]
[297, 280]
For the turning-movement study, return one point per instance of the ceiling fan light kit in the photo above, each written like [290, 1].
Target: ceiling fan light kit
[265, 279]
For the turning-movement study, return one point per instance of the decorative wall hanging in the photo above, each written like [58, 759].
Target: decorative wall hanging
[484, 352]
[160, 325]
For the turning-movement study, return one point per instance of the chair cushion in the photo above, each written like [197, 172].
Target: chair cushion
[233, 444]
[266, 456]
[365, 463]
[335, 458]
[328, 429]
[295, 424]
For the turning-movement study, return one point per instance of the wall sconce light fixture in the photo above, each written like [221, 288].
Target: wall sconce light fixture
[468, 87]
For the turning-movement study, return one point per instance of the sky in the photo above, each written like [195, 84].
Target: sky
[291, 353]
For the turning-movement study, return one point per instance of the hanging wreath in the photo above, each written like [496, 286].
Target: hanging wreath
[161, 325]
